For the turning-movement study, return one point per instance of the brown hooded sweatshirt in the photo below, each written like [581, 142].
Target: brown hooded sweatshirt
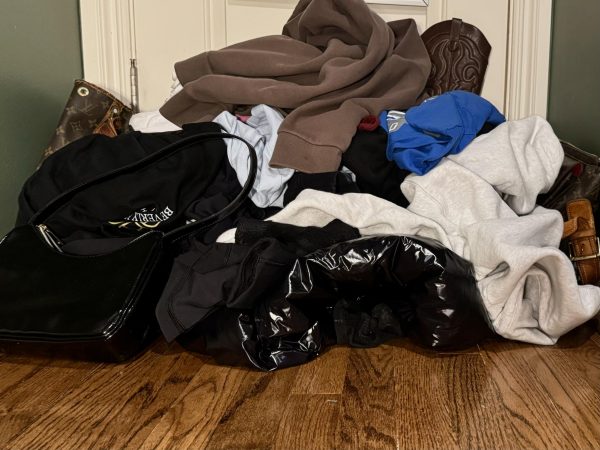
[336, 62]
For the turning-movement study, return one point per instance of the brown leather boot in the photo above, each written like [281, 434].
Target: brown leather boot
[459, 55]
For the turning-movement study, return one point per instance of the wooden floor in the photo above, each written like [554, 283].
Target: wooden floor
[498, 395]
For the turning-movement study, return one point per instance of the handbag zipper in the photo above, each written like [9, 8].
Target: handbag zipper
[50, 238]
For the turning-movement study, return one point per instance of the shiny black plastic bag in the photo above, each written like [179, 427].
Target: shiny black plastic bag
[361, 293]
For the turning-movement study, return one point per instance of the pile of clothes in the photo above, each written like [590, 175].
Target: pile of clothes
[377, 212]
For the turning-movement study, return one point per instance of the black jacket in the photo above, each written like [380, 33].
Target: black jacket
[360, 292]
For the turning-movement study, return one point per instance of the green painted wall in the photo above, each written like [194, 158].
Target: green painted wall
[40, 56]
[574, 96]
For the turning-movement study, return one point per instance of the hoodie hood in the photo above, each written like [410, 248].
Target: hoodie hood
[527, 157]
[498, 176]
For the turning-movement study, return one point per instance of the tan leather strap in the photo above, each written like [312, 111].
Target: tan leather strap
[570, 227]
[107, 125]
[584, 246]
[577, 224]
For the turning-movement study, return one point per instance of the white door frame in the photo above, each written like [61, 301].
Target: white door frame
[108, 43]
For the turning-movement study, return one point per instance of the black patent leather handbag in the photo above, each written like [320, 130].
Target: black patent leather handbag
[92, 307]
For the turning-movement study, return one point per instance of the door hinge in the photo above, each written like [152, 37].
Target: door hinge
[133, 79]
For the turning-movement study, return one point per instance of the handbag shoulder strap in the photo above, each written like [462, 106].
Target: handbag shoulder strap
[165, 152]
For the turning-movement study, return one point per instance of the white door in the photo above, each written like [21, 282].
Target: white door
[247, 19]
[162, 33]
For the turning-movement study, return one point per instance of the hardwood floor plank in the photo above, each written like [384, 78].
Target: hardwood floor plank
[583, 405]
[423, 397]
[483, 421]
[160, 390]
[252, 419]
[29, 388]
[448, 401]
[192, 418]
[544, 416]
[113, 405]
[507, 395]
[309, 422]
[324, 375]
[14, 372]
[583, 353]
[368, 401]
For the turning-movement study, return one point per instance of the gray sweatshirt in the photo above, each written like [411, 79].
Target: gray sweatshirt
[481, 204]
[486, 196]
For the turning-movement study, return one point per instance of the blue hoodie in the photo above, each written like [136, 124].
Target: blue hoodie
[440, 126]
